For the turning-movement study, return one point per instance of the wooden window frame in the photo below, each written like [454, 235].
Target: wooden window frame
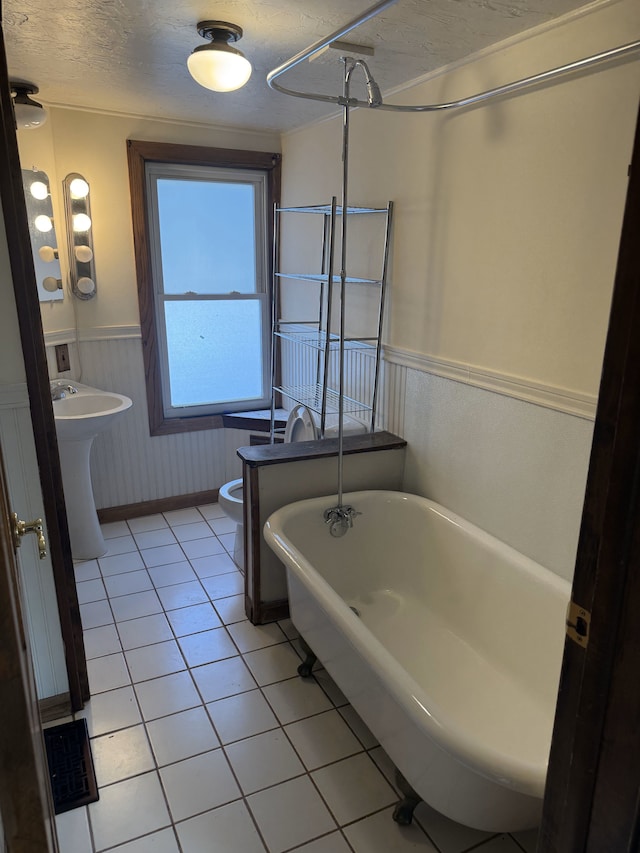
[139, 153]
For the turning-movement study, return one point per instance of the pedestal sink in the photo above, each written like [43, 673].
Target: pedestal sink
[79, 417]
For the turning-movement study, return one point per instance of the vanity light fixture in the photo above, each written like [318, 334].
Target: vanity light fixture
[79, 236]
[29, 114]
[218, 65]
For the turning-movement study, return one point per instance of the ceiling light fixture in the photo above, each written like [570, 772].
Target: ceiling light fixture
[29, 113]
[217, 65]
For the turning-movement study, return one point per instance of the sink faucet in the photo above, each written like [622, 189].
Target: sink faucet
[59, 390]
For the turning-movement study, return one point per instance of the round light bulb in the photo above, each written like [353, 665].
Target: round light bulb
[219, 68]
[39, 190]
[81, 222]
[86, 285]
[52, 284]
[79, 188]
[83, 254]
[43, 223]
[47, 253]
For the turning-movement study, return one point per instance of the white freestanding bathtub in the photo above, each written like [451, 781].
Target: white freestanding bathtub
[453, 655]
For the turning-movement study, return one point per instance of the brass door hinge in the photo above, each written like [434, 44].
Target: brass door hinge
[578, 621]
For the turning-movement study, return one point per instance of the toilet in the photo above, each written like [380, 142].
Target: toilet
[302, 425]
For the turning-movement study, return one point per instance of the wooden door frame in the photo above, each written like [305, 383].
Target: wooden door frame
[35, 360]
[593, 783]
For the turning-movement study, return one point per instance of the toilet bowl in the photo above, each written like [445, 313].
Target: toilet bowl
[302, 425]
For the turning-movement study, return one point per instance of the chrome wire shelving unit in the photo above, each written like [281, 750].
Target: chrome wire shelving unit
[322, 395]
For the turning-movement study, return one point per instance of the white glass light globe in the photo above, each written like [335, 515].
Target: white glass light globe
[51, 284]
[39, 190]
[43, 223]
[218, 69]
[79, 188]
[47, 253]
[81, 222]
[83, 254]
[86, 285]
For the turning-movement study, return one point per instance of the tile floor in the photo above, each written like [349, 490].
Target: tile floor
[204, 738]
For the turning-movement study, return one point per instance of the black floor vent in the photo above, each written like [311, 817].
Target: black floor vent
[73, 780]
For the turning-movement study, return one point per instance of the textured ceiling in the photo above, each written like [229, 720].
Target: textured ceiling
[130, 55]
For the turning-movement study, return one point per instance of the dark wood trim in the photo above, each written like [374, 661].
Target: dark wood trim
[271, 611]
[54, 707]
[593, 781]
[138, 154]
[33, 348]
[252, 538]
[125, 511]
[272, 454]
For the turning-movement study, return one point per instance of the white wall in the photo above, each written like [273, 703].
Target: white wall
[128, 466]
[504, 250]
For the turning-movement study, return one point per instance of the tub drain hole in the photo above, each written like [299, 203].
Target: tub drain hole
[355, 610]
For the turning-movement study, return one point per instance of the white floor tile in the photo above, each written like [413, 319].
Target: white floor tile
[195, 530]
[158, 842]
[263, 760]
[228, 541]
[329, 686]
[528, 839]
[501, 844]
[114, 528]
[95, 614]
[223, 678]
[120, 563]
[181, 736]
[242, 716]
[128, 810]
[196, 549]
[231, 609]
[107, 673]
[274, 663]
[101, 641]
[353, 788]
[167, 695]
[87, 570]
[191, 620]
[144, 631]
[228, 829]
[222, 525]
[450, 837]
[381, 834]
[182, 595]
[322, 739]
[127, 583]
[182, 516]
[289, 629]
[212, 511]
[290, 814]
[172, 573]
[120, 755]
[154, 661]
[135, 605]
[162, 555]
[147, 522]
[360, 730]
[333, 843]
[198, 784]
[73, 831]
[207, 646]
[120, 545]
[154, 538]
[219, 563]
[296, 698]
[223, 586]
[249, 638]
[110, 711]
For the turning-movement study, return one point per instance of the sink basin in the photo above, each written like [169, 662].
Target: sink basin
[79, 418]
[85, 414]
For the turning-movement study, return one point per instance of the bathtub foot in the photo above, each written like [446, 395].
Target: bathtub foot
[403, 812]
[304, 670]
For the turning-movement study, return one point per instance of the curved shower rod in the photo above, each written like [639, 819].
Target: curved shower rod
[620, 53]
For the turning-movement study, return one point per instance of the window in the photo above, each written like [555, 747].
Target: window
[203, 230]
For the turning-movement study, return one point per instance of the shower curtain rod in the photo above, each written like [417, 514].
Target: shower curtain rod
[621, 53]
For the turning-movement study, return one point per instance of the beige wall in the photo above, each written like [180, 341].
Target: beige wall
[508, 215]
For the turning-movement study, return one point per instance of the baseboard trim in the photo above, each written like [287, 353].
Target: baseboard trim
[54, 707]
[270, 611]
[125, 511]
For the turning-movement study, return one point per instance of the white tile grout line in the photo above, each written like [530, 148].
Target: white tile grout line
[290, 641]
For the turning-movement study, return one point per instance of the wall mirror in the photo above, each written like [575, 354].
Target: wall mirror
[44, 243]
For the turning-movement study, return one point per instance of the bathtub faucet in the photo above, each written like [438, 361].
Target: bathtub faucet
[340, 519]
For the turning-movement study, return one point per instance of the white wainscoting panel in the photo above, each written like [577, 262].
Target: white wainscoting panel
[39, 593]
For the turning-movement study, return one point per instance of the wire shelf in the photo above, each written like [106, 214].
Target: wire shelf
[311, 397]
[325, 209]
[320, 277]
[315, 338]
